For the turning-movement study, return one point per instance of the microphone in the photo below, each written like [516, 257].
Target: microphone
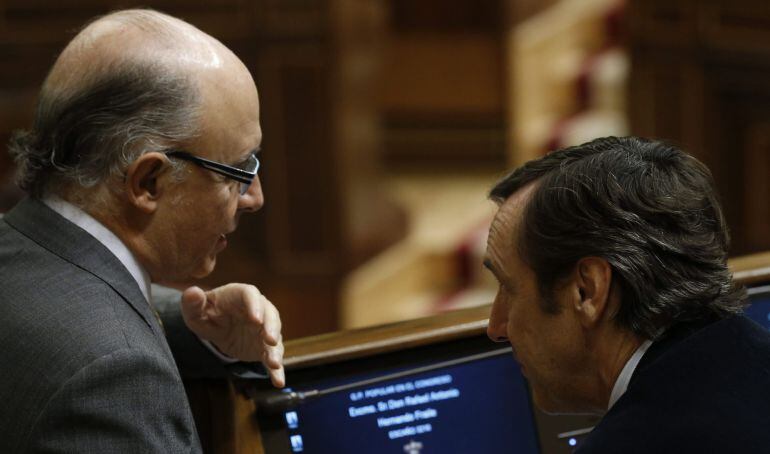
[278, 402]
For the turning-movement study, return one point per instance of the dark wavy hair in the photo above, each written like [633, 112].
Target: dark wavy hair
[647, 208]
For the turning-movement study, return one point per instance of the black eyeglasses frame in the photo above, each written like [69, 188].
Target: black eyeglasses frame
[242, 176]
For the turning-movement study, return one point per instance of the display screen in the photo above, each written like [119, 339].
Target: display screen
[759, 309]
[481, 405]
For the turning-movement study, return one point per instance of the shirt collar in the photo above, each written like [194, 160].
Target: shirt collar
[621, 384]
[102, 234]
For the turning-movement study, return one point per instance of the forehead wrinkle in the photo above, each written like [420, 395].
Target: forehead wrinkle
[497, 241]
[502, 241]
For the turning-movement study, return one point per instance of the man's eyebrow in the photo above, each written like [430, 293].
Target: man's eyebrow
[488, 265]
[491, 267]
[246, 156]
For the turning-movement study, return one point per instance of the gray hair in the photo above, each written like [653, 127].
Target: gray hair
[647, 208]
[83, 137]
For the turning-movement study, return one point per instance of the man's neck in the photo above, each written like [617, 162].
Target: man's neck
[102, 233]
[612, 354]
[127, 227]
[108, 210]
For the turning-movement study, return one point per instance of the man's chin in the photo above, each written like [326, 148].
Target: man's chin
[205, 269]
[551, 406]
[545, 403]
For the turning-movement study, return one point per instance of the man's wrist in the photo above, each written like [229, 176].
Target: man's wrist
[227, 359]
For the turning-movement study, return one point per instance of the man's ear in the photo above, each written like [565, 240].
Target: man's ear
[593, 279]
[142, 182]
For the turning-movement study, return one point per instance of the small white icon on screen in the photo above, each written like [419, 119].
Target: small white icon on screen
[413, 447]
[296, 443]
[292, 420]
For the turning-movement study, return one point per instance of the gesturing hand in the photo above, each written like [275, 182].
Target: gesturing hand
[240, 322]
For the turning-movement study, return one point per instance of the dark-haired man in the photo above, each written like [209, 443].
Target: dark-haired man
[616, 298]
[141, 160]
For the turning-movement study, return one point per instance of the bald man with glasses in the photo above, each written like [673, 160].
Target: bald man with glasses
[141, 160]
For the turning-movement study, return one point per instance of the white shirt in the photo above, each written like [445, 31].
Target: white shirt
[105, 236]
[621, 384]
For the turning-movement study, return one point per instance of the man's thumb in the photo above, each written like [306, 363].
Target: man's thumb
[193, 301]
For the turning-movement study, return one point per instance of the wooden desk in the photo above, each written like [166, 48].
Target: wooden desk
[232, 427]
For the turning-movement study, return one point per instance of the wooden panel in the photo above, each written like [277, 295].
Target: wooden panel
[345, 345]
[291, 18]
[296, 120]
[53, 24]
[45, 22]
[655, 99]
[736, 136]
[445, 140]
[442, 88]
[751, 269]
[673, 24]
[756, 216]
[701, 79]
[212, 406]
[445, 15]
[742, 26]
[443, 73]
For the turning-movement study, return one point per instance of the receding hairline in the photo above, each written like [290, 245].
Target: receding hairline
[513, 210]
[131, 38]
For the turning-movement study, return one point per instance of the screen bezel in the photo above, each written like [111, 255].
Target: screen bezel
[758, 289]
[275, 434]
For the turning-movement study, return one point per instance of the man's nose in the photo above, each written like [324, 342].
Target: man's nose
[497, 329]
[253, 199]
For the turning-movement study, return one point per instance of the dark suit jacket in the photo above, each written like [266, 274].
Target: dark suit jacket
[85, 365]
[700, 389]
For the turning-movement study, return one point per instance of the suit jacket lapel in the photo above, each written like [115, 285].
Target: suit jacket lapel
[68, 241]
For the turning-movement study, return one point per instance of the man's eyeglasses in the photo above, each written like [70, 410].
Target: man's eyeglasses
[244, 174]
